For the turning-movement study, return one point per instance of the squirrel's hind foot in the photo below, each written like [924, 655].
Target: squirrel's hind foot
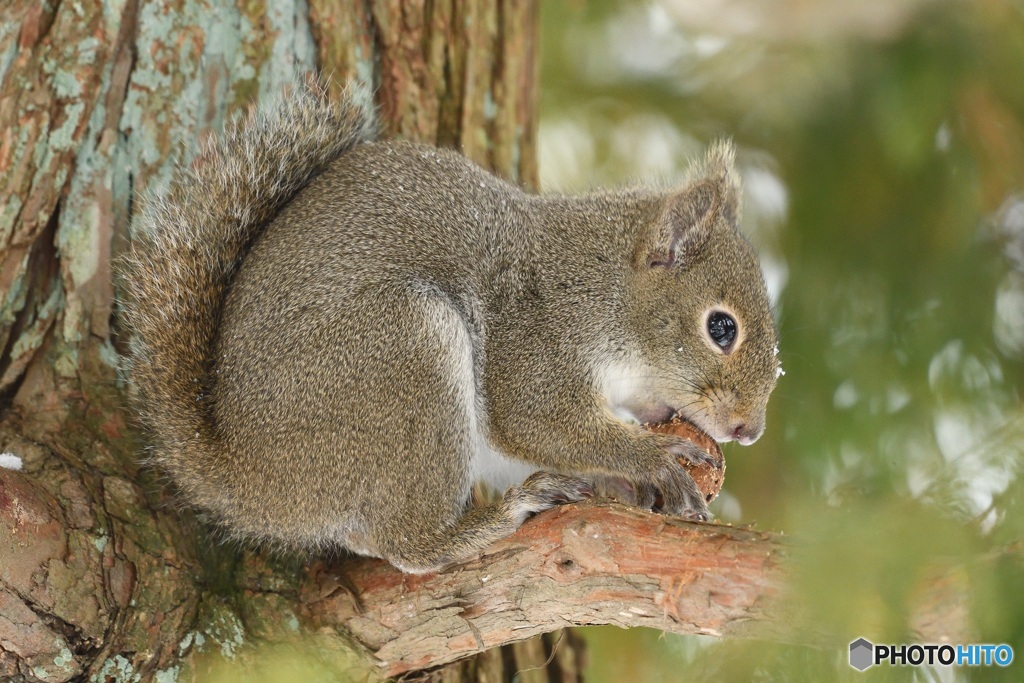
[542, 491]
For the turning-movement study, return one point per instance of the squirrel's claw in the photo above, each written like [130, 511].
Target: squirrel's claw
[694, 516]
[694, 454]
[680, 495]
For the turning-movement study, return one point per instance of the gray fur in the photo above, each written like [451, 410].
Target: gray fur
[333, 336]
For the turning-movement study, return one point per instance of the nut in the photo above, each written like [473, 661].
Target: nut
[708, 479]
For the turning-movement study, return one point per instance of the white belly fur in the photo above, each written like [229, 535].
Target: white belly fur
[496, 469]
[487, 464]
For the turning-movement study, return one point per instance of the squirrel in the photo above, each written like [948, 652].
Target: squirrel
[334, 336]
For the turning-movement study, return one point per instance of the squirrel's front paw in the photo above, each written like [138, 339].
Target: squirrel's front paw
[679, 494]
[692, 453]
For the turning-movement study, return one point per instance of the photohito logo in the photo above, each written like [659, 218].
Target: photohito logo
[863, 654]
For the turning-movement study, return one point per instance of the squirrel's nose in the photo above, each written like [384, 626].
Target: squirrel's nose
[746, 434]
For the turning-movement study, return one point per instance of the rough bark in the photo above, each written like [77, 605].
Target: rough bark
[601, 563]
[457, 73]
[588, 564]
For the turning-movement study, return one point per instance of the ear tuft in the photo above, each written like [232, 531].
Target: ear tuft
[718, 168]
[710, 196]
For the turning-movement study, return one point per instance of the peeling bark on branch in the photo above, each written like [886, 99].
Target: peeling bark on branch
[587, 564]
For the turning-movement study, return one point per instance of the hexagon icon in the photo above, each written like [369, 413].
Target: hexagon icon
[861, 654]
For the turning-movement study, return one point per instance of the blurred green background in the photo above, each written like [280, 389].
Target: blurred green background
[881, 144]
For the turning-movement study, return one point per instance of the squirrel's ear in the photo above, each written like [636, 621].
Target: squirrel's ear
[711, 196]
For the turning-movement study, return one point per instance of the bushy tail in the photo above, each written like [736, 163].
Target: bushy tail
[188, 243]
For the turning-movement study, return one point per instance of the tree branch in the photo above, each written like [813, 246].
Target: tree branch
[599, 563]
[587, 564]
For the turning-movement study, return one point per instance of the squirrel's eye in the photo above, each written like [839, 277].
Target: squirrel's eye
[722, 328]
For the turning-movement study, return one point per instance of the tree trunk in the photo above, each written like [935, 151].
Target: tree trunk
[102, 577]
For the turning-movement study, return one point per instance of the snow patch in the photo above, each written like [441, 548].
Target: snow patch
[10, 461]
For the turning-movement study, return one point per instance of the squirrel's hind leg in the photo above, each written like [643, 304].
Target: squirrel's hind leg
[426, 526]
[480, 527]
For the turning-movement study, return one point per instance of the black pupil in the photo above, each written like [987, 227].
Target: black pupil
[722, 328]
